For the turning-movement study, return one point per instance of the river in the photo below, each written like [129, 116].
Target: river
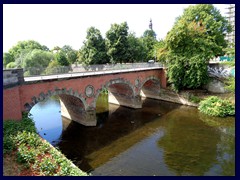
[161, 139]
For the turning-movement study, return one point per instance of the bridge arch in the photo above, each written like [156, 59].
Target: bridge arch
[73, 105]
[120, 91]
[150, 87]
[43, 96]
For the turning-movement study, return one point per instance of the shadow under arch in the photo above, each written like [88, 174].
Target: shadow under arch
[73, 105]
[120, 92]
[150, 87]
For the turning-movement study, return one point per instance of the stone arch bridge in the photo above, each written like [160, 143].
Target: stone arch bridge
[78, 94]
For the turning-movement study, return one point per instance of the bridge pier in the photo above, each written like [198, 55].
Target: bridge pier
[123, 100]
[73, 109]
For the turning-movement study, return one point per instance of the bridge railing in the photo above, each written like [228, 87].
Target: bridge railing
[39, 71]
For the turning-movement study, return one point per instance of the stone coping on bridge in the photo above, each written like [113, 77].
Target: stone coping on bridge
[84, 74]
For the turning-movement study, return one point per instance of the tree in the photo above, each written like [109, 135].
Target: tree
[136, 49]
[70, 53]
[36, 61]
[94, 49]
[149, 40]
[117, 43]
[7, 58]
[15, 51]
[197, 36]
[61, 58]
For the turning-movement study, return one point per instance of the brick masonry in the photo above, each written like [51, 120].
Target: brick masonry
[26, 95]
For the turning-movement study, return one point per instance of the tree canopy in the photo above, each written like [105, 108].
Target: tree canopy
[94, 50]
[117, 43]
[196, 37]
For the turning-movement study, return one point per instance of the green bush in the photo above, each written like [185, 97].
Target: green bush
[33, 151]
[215, 106]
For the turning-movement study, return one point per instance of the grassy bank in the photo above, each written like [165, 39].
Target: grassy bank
[25, 153]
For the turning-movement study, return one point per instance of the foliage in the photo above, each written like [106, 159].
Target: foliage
[197, 36]
[11, 65]
[161, 52]
[149, 40]
[7, 58]
[61, 58]
[34, 61]
[94, 49]
[215, 106]
[34, 152]
[117, 43]
[16, 50]
[187, 73]
[11, 128]
[136, 50]
[230, 50]
[70, 53]
[230, 84]
[194, 99]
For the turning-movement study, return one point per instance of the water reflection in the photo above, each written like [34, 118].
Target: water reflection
[160, 139]
[190, 146]
[48, 121]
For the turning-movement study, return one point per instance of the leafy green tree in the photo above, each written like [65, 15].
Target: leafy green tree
[11, 65]
[71, 54]
[196, 37]
[94, 49]
[136, 49]
[16, 50]
[61, 58]
[149, 40]
[117, 43]
[7, 58]
[159, 48]
[36, 61]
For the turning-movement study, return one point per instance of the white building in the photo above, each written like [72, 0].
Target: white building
[231, 18]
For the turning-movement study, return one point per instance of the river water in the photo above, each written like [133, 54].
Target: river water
[161, 139]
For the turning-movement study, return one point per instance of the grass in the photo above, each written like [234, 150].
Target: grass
[26, 153]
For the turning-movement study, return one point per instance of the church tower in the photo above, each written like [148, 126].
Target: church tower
[150, 24]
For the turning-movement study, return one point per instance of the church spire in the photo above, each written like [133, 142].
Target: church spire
[150, 24]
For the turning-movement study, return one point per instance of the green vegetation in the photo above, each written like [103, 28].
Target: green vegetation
[196, 37]
[230, 84]
[94, 49]
[194, 99]
[21, 140]
[215, 106]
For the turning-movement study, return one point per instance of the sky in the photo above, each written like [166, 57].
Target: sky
[66, 24]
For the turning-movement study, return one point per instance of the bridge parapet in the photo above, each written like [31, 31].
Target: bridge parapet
[12, 77]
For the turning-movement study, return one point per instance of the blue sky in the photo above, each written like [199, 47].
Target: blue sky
[66, 24]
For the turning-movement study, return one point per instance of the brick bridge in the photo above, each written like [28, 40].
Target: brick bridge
[78, 94]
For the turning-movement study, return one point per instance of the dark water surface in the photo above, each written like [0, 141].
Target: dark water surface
[162, 139]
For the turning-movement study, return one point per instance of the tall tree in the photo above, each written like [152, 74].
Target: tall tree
[136, 50]
[71, 54]
[94, 49]
[7, 58]
[195, 38]
[117, 43]
[35, 61]
[61, 58]
[149, 40]
[15, 51]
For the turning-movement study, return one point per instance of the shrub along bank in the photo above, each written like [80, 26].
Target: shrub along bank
[21, 141]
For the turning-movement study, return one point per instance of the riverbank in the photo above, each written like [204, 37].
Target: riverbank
[27, 154]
